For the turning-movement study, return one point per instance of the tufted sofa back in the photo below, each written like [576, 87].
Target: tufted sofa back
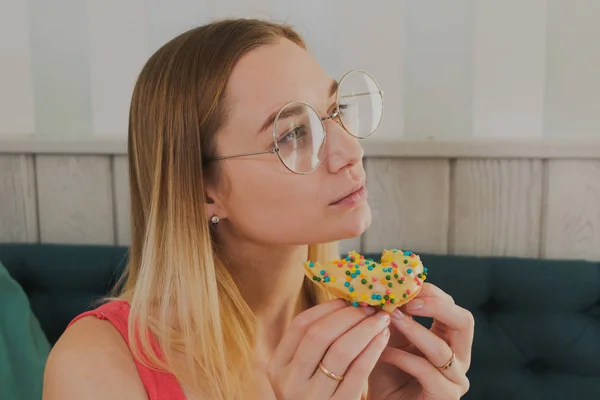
[537, 322]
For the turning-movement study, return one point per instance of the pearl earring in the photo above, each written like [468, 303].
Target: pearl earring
[214, 219]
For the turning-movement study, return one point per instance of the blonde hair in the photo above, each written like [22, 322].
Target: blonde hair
[176, 281]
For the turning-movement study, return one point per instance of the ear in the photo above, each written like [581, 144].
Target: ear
[213, 204]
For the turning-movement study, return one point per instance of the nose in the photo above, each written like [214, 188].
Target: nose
[342, 149]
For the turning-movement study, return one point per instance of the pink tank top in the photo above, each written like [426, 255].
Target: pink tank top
[159, 385]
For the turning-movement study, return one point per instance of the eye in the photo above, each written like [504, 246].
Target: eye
[338, 111]
[341, 108]
[295, 134]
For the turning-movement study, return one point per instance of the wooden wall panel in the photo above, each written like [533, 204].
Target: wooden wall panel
[496, 207]
[409, 201]
[121, 200]
[75, 199]
[350, 245]
[538, 199]
[18, 214]
[572, 212]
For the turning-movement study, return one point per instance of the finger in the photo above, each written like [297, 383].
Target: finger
[347, 348]
[434, 348]
[358, 373]
[459, 320]
[430, 290]
[284, 353]
[432, 381]
[321, 335]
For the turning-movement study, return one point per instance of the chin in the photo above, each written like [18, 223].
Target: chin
[354, 223]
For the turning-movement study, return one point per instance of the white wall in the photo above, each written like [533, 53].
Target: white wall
[450, 69]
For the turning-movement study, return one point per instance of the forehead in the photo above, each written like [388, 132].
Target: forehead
[270, 76]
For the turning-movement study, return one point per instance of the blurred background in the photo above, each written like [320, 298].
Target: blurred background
[450, 69]
[489, 142]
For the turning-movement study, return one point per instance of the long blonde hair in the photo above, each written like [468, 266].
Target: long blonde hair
[179, 288]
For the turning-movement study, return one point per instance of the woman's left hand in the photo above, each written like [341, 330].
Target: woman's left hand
[410, 368]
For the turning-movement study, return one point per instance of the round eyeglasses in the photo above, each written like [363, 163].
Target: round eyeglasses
[299, 132]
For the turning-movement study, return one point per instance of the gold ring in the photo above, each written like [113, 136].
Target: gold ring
[449, 363]
[329, 373]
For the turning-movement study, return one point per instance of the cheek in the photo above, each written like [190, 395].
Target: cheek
[270, 206]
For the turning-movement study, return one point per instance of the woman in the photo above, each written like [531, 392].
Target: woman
[244, 160]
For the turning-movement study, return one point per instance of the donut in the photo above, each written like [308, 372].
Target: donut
[390, 283]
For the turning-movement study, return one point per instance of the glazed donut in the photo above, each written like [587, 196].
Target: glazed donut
[390, 283]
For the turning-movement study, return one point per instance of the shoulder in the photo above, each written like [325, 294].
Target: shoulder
[92, 361]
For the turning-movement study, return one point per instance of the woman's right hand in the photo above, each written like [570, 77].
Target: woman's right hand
[348, 340]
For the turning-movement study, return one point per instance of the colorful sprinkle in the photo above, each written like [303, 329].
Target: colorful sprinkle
[388, 277]
[355, 304]
[351, 289]
[409, 271]
[390, 284]
[388, 291]
[370, 286]
[405, 261]
[363, 281]
[311, 264]
[347, 284]
[322, 272]
[405, 295]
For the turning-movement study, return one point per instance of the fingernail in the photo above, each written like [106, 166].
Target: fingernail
[386, 332]
[415, 304]
[369, 310]
[397, 314]
[385, 317]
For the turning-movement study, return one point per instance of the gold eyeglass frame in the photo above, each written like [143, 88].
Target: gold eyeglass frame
[334, 116]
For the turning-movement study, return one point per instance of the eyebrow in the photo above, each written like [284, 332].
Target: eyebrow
[295, 110]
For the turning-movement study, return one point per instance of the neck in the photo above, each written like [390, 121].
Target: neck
[271, 280]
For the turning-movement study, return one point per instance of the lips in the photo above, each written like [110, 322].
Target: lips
[355, 188]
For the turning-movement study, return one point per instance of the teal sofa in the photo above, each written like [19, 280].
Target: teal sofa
[537, 330]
